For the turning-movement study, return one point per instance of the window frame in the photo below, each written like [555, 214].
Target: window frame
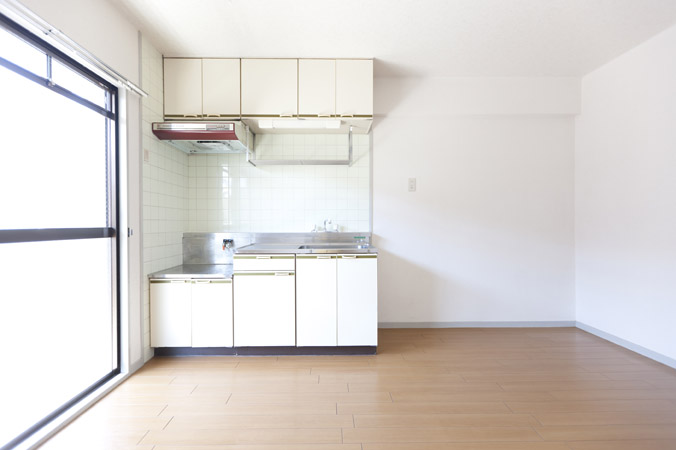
[110, 231]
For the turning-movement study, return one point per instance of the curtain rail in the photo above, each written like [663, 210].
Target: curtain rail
[16, 9]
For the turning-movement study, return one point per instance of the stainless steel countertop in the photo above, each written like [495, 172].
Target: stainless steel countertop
[334, 248]
[195, 271]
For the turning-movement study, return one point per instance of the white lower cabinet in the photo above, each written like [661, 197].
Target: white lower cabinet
[212, 313]
[357, 297]
[265, 309]
[185, 313]
[273, 300]
[170, 313]
[316, 301]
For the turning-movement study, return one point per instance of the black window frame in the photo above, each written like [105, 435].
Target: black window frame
[113, 217]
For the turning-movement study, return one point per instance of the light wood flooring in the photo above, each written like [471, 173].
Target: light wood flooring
[427, 389]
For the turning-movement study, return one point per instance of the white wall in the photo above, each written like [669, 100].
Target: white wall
[488, 235]
[626, 197]
[97, 26]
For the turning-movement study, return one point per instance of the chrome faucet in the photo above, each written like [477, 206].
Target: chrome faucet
[326, 221]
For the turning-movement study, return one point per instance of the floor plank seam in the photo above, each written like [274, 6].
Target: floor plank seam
[143, 437]
[538, 433]
[167, 424]
[162, 410]
[538, 420]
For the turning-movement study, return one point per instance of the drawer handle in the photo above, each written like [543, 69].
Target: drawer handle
[323, 257]
[263, 257]
[349, 257]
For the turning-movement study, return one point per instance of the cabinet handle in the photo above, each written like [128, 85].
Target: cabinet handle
[263, 257]
[282, 274]
[201, 281]
[179, 281]
[286, 115]
[323, 257]
[349, 256]
[347, 115]
[323, 115]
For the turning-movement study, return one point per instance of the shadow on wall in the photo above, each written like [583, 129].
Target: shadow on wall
[385, 68]
[389, 92]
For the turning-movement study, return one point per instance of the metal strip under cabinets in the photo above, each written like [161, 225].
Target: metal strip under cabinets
[303, 162]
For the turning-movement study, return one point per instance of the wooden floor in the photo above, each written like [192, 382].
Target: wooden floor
[427, 389]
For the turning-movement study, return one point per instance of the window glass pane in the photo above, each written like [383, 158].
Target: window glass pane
[53, 159]
[65, 77]
[19, 52]
[56, 326]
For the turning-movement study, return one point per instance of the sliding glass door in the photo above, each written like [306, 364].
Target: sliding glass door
[58, 227]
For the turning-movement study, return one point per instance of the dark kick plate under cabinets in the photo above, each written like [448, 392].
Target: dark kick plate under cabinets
[264, 351]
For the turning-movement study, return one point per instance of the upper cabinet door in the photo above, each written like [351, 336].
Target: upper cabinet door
[316, 87]
[354, 87]
[220, 87]
[182, 87]
[269, 87]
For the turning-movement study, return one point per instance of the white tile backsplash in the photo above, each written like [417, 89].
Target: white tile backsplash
[228, 194]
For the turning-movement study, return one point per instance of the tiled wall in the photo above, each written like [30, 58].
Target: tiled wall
[228, 194]
[165, 187]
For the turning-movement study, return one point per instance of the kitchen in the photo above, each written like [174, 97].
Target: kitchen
[511, 204]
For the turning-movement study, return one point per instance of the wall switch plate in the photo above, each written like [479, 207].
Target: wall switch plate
[146, 155]
[411, 184]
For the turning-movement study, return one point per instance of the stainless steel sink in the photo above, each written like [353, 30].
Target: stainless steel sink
[345, 246]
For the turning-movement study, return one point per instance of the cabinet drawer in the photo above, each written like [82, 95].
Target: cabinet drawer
[246, 263]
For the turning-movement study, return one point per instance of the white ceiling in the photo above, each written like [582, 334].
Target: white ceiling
[410, 37]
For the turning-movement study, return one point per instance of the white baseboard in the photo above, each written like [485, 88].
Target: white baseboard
[660, 358]
[521, 324]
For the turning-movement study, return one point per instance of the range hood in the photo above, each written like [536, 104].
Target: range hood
[206, 137]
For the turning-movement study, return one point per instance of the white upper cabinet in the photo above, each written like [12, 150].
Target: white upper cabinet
[316, 87]
[182, 87]
[213, 88]
[354, 87]
[269, 87]
[220, 87]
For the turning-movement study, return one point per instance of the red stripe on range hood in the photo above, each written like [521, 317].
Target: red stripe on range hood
[195, 131]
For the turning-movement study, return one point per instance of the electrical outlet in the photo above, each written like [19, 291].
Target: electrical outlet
[146, 155]
[411, 184]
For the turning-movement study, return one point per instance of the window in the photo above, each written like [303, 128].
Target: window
[58, 225]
